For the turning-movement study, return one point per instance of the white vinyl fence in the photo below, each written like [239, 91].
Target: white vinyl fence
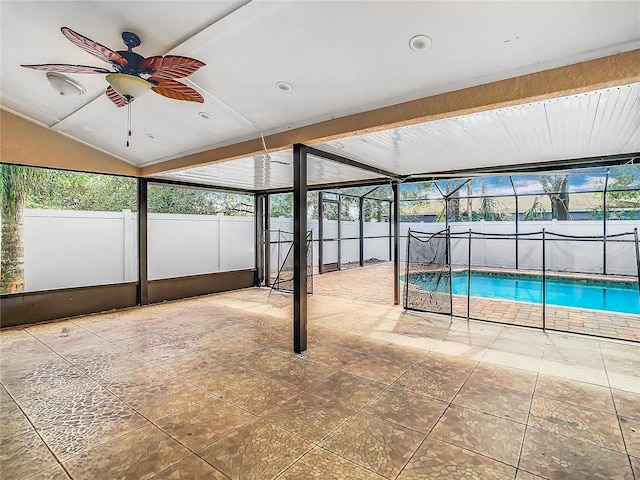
[66, 248]
[562, 254]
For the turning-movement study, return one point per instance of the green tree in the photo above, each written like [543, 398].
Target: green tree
[16, 183]
[623, 194]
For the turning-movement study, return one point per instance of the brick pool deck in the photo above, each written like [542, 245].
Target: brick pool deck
[374, 284]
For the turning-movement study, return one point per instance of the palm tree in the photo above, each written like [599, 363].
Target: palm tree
[15, 184]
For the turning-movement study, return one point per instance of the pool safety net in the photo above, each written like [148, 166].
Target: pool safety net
[284, 279]
[533, 278]
[427, 285]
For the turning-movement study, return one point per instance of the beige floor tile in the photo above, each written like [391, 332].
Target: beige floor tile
[161, 400]
[309, 416]
[220, 376]
[263, 360]
[203, 423]
[501, 402]
[259, 450]
[399, 353]
[12, 420]
[577, 422]
[631, 433]
[554, 457]
[86, 421]
[462, 350]
[55, 473]
[260, 394]
[103, 367]
[230, 348]
[377, 369]
[512, 360]
[627, 404]
[301, 373]
[635, 465]
[334, 356]
[584, 394]
[575, 371]
[438, 376]
[376, 444]
[24, 455]
[503, 377]
[487, 435]
[522, 475]
[624, 381]
[321, 464]
[436, 460]
[191, 468]
[75, 395]
[188, 363]
[357, 343]
[347, 389]
[410, 410]
[138, 455]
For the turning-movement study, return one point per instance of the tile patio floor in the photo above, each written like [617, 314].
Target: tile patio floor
[208, 389]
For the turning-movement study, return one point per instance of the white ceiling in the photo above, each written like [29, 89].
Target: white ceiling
[264, 173]
[597, 123]
[341, 58]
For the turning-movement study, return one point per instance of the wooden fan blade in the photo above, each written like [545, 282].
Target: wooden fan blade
[116, 98]
[171, 66]
[65, 68]
[94, 48]
[175, 90]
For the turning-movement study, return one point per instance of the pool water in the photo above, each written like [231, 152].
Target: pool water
[613, 297]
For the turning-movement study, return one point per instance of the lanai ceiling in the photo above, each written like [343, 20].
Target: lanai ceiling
[341, 58]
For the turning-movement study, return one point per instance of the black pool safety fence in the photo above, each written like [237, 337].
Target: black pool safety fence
[569, 283]
[282, 252]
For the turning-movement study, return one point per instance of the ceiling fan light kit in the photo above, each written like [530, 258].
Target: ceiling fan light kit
[128, 86]
[65, 85]
[132, 73]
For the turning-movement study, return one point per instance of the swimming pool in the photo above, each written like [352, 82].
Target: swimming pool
[614, 297]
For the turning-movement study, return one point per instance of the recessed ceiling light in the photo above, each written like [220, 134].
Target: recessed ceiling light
[149, 135]
[205, 115]
[420, 43]
[284, 86]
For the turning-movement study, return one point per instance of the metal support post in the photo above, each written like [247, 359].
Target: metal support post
[142, 290]
[469, 280]
[361, 230]
[267, 240]
[396, 244]
[515, 196]
[299, 248]
[320, 232]
[258, 221]
[407, 272]
[339, 232]
[604, 224]
[449, 257]
[390, 233]
[635, 234]
[544, 280]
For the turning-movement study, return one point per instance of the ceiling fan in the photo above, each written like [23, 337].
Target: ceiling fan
[132, 74]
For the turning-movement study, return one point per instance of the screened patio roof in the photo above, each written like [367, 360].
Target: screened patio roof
[588, 125]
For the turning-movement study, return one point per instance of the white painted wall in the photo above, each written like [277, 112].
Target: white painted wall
[65, 248]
